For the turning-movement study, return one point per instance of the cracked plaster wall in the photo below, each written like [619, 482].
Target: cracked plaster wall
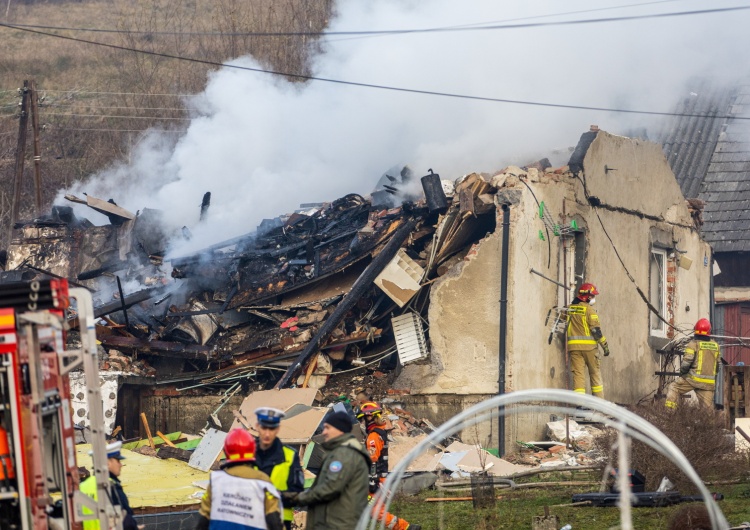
[639, 196]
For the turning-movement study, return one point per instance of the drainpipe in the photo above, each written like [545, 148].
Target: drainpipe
[719, 391]
[503, 328]
[711, 300]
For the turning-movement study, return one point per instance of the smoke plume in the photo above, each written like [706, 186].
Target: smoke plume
[262, 145]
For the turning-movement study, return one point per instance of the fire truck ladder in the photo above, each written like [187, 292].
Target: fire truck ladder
[35, 407]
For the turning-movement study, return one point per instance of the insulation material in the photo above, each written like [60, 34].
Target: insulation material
[410, 340]
[79, 399]
[400, 278]
[174, 484]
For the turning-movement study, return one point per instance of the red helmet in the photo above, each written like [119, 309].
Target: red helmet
[702, 327]
[587, 290]
[239, 446]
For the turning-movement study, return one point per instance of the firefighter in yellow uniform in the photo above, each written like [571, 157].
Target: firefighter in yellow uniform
[584, 334]
[700, 362]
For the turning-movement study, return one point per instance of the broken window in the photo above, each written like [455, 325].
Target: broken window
[573, 258]
[658, 290]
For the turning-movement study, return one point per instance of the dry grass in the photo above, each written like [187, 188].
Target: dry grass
[699, 433]
[97, 99]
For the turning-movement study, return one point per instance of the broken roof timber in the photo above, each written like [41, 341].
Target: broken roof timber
[103, 207]
[167, 349]
[119, 305]
[356, 292]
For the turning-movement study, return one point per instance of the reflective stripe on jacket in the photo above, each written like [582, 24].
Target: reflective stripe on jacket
[700, 362]
[581, 320]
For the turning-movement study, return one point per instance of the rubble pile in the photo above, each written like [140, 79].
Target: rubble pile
[310, 292]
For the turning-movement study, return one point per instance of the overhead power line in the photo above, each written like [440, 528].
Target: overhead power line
[74, 115]
[448, 29]
[383, 87]
[81, 104]
[113, 130]
[74, 91]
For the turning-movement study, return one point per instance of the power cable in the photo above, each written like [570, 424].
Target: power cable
[109, 130]
[83, 105]
[549, 239]
[448, 29]
[376, 86]
[545, 16]
[617, 253]
[74, 91]
[116, 116]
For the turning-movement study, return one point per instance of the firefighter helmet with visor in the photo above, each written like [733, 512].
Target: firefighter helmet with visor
[369, 408]
[587, 291]
[239, 446]
[702, 327]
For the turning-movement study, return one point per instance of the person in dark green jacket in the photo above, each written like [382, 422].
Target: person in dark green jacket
[338, 496]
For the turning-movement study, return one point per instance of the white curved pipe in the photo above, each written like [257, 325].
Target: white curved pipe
[620, 418]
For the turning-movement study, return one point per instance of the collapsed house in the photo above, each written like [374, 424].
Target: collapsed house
[456, 293]
[614, 217]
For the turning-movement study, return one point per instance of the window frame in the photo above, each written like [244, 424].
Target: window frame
[661, 330]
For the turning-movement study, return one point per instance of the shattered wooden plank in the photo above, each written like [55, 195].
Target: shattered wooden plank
[103, 207]
[466, 201]
[167, 349]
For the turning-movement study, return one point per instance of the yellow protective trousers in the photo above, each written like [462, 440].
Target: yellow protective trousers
[579, 361]
[683, 386]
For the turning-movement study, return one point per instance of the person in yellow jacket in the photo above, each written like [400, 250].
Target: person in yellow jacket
[275, 459]
[584, 335]
[116, 493]
[700, 362]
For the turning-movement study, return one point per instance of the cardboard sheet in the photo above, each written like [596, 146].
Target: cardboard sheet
[280, 399]
[300, 428]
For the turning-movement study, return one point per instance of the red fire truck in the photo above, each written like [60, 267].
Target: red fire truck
[38, 471]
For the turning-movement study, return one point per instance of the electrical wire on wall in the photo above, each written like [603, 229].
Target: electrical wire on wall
[619, 258]
[549, 243]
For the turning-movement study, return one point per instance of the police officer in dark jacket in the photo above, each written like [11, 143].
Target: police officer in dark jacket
[275, 459]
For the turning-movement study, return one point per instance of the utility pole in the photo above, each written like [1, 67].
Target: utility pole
[34, 97]
[20, 156]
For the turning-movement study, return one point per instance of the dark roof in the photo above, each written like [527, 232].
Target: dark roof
[710, 156]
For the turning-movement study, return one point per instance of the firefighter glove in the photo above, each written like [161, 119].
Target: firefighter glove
[606, 349]
[289, 498]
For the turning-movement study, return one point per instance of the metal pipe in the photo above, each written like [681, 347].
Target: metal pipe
[532, 271]
[503, 328]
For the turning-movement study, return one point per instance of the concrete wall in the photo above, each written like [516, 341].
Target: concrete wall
[188, 414]
[640, 205]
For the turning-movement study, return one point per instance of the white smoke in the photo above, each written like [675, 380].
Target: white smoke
[262, 145]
